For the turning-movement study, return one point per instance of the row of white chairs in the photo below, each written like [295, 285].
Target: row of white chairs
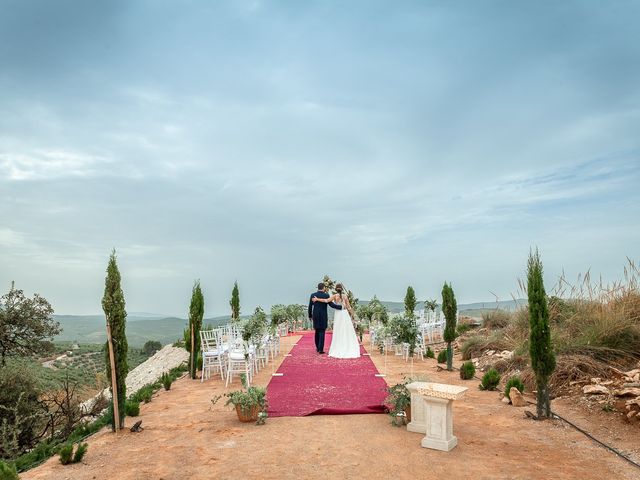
[225, 352]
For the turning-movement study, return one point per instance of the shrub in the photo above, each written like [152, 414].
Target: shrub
[513, 382]
[442, 356]
[8, 472]
[21, 413]
[151, 347]
[132, 409]
[463, 328]
[80, 451]
[430, 353]
[166, 381]
[144, 394]
[490, 380]
[467, 371]
[66, 454]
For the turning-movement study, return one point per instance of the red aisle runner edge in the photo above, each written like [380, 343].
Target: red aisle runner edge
[314, 384]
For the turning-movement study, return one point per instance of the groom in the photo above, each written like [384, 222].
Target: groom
[318, 314]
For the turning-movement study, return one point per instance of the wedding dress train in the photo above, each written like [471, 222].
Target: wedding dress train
[344, 343]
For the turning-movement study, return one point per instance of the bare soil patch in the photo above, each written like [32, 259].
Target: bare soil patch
[186, 437]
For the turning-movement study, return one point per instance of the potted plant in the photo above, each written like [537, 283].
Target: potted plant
[399, 403]
[250, 403]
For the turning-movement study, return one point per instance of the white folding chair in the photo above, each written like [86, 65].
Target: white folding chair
[213, 354]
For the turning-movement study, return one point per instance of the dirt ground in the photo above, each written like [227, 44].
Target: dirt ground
[186, 437]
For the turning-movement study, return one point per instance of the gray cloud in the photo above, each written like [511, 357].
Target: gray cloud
[274, 143]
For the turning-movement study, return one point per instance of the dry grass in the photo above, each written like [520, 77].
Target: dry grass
[569, 368]
[592, 326]
[495, 319]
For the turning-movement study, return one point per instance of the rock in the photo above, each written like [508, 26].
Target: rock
[608, 382]
[506, 400]
[627, 392]
[595, 390]
[632, 373]
[489, 352]
[632, 415]
[631, 385]
[517, 399]
[596, 379]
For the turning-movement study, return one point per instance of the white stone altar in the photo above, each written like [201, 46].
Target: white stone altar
[432, 413]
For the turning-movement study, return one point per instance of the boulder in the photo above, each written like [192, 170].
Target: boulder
[505, 400]
[595, 390]
[627, 392]
[517, 399]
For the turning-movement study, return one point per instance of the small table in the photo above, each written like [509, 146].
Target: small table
[432, 413]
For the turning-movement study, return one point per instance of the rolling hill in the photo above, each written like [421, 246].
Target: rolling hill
[150, 326]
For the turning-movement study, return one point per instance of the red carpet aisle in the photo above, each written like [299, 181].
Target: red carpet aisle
[315, 384]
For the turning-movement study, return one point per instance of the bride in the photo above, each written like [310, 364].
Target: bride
[344, 343]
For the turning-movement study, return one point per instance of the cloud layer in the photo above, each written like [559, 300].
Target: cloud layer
[383, 144]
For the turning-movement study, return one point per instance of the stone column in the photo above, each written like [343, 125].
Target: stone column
[418, 422]
[439, 424]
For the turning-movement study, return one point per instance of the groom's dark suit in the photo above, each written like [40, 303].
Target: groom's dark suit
[318, 313]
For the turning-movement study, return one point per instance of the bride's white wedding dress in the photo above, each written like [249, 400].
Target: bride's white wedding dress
[344, 343]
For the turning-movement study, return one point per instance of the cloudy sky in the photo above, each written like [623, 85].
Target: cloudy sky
[384, 143]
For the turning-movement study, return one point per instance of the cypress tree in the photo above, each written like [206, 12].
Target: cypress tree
[114, 309]
[196, 312]
[543, 360]
[450, 310]
[235, 303]
[410, 302]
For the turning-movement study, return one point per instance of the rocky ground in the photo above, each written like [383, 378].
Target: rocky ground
[148, 372]
[186, 436]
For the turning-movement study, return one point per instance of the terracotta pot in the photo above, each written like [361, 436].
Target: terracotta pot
[407, 412]
[248, 415]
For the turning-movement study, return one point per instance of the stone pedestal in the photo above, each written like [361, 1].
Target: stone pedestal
[418, 422]
[439, 434]
[432, 413]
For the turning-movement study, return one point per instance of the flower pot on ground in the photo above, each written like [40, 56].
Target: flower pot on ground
[250, 403]
[399, 402]
[248, 414]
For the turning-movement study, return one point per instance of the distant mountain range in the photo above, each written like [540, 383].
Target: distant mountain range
[143, 326]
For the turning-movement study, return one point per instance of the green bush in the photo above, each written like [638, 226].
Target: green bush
[21, 413]
[151, 347]
[463, 328]
[467, 371]
[66, 454]
[490, 380]
[166, 381]
[442, 356]
[514, 381]
[8, 472]
[132, 409]
[145, 393]
[430, 353]
[80, 451]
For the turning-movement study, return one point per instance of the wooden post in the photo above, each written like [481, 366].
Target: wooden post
[114, 381]
[193, 352]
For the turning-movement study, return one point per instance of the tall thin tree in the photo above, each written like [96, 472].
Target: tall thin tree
[114, 309]
[235, 303]
[410, 302]
[450, 310]
[543, 359]
[196, 312]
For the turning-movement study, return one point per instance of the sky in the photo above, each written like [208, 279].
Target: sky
[385, 144]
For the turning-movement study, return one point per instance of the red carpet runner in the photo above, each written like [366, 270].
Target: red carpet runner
[315, 384]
